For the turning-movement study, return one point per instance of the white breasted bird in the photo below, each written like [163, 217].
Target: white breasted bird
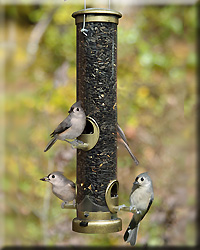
[141, 198]
[62, 187]
[71, 127]
[124, 140]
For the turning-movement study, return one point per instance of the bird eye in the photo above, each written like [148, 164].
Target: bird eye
[53, 176]
[77, 109]
[142, 179]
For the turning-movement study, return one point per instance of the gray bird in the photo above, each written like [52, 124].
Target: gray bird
[62, 187]
[71, 127]
[141, 198]
[124, 140]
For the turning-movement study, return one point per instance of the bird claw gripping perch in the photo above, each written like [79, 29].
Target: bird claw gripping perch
[78, 144]
[126, 209]
[63, 204]
[134, 210]
[67, 205]
[121, 206]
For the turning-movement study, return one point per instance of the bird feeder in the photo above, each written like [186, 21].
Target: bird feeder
[97, 187]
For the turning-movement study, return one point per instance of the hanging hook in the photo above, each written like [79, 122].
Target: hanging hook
[83, 30]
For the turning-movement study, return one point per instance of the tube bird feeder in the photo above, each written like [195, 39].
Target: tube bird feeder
[97, 89]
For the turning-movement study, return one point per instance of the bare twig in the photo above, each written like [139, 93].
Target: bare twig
[37, 33]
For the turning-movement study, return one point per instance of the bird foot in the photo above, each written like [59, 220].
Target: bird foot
[133, 207]
[135, 210]
[121, 206]
[63, 204]
[75, 143]
[79, 142]
[74, 203]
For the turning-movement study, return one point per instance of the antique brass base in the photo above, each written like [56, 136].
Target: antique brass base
[96, 222]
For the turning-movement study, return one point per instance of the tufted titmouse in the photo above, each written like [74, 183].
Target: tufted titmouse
[124, 140]
[141, 198]
[62, 187]
[71, 127]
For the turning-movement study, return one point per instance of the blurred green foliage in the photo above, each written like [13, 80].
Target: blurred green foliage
[156, 109]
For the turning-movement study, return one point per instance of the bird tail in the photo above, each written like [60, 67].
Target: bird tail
[121, 133]
[50, 144]
[131, 234]
[131, 154]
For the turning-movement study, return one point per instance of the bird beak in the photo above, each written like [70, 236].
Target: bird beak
[136, 183]
[44, 178]
[70, 111]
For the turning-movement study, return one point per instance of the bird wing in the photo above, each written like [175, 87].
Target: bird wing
[150, 202]
[72, 184]
[65, 124]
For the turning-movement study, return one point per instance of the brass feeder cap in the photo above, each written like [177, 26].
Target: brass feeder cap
[97, 15]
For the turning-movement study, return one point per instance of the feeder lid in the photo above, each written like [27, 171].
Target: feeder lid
[97, 15]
